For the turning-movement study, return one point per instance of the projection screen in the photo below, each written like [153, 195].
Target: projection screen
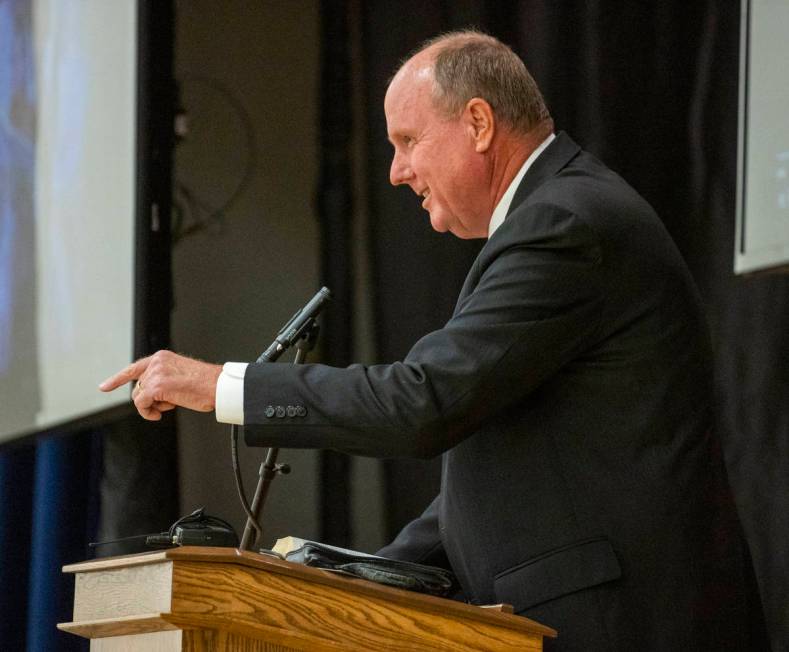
[67, 207]
[762, 240]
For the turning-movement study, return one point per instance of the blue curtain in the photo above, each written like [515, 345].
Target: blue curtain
[48, 513]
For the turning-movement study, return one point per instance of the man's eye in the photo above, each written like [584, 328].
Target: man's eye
[408, 141]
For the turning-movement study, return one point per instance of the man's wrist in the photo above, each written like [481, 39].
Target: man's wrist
[230, 393]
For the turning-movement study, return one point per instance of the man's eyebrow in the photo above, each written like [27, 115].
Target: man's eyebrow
[399, 134]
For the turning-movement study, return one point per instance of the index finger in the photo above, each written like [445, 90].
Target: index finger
[132, 372]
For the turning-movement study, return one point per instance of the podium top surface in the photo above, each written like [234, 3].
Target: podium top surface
[265, 563]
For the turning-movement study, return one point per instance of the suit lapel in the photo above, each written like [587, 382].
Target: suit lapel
[558, 154]
[468, 284]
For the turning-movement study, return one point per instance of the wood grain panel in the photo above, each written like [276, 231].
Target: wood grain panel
[227, 599]
[282, 604]
[213, 641]
[121, 626]
[427, 603]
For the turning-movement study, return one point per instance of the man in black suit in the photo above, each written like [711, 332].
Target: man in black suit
[569, 393]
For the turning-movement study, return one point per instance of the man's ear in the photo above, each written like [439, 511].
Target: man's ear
[481, 123]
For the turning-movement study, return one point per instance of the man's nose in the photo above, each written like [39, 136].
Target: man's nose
[400, 172]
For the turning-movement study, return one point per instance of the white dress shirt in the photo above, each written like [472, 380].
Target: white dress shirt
[230, 386]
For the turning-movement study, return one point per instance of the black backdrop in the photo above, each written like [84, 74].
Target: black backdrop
[651, 88]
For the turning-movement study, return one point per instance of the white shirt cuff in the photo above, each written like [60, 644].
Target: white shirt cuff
[230, 393]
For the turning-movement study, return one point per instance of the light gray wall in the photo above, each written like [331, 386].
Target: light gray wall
[239, 280]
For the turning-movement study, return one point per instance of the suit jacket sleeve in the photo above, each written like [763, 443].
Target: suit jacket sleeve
[530, 305]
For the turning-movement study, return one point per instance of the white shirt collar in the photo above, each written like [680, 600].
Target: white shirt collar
[500, 212]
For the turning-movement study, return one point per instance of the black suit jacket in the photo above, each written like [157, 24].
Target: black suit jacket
[570, 395]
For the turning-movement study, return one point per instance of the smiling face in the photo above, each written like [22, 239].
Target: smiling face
[437, 157]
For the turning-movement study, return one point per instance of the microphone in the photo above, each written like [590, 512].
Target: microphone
[301, 325]
[296, 326]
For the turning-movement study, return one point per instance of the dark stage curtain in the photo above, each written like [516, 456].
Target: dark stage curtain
[651, 88]
[335, 211]
[139, 482]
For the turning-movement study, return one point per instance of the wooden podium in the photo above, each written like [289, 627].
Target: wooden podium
[207, 599]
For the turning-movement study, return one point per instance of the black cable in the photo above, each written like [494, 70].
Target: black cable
[199, 516]
[240, 482]
[93, 544]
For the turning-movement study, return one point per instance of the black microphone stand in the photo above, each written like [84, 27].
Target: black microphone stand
[269, 469]
[301, 330]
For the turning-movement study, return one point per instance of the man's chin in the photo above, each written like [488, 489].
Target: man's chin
[442, 224]
[465, 235]
[438, 224]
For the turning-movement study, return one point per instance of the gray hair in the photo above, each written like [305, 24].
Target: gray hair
[470, 64]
